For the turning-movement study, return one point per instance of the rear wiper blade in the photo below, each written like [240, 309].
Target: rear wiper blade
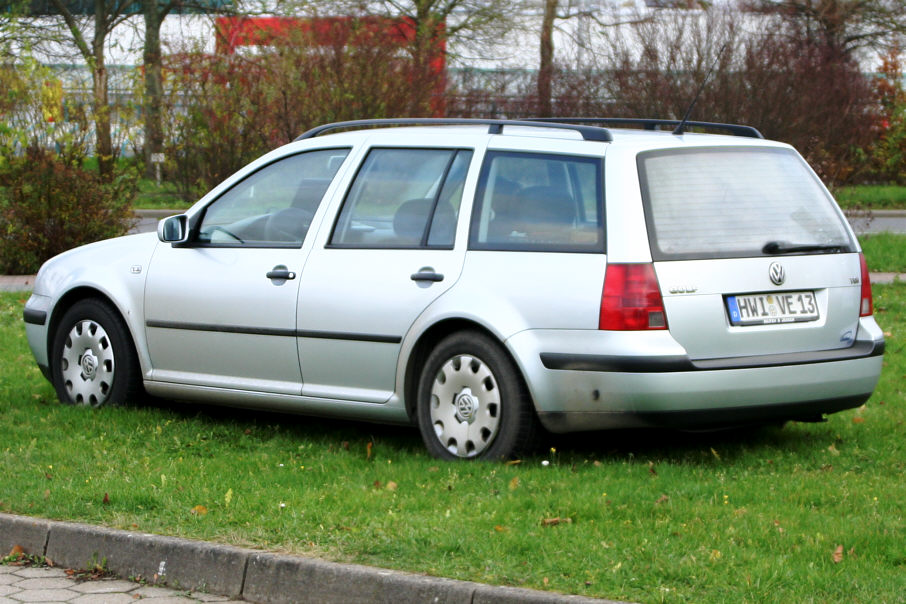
[785, 247]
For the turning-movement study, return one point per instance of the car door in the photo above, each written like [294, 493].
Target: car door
[391, 252]
[220, 309]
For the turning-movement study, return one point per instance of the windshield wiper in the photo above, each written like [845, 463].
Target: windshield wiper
[785, 247]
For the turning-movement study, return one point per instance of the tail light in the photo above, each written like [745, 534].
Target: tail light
[632, 299]
[866, 306]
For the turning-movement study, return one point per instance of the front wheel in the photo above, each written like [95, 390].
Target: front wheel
[93, 360]
[472, 402]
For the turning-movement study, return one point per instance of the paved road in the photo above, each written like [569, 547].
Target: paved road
[42, 584]
[878, 221]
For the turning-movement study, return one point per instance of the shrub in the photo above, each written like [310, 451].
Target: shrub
[50, 206]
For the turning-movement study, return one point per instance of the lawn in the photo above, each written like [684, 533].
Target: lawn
[807, 513]
[884, 252]
[875, 197]
[163, 196]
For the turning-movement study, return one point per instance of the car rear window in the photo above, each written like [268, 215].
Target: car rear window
[733, 202]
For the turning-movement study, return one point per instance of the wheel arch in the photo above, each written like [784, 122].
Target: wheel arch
[68, 300]
[426, 343]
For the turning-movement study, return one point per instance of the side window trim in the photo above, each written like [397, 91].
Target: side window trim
[482, 210]
[440, 189]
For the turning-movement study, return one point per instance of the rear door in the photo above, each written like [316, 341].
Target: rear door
[752, 255]
[392, 251]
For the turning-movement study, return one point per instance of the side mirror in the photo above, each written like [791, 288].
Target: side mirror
[173, 229]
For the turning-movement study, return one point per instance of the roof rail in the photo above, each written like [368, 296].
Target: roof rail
[495, 126]
[652, 124]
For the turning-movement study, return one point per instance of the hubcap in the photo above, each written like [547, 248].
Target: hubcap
[87, 363]
[465, 406]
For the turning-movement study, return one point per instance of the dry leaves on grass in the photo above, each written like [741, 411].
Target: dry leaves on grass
[556, 521]
[837, 556]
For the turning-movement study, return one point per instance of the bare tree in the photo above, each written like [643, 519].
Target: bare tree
[546, 59]
[843, 26]
[107, 15]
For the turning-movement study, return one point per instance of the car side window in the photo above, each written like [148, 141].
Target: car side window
[274, 206]
[538, 202]
[404, 198]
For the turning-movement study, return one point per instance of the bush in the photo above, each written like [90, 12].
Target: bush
[226, 110]
[50, 206]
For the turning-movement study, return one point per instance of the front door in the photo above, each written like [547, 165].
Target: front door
[220, 309]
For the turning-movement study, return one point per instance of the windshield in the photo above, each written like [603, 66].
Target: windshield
[736, 202]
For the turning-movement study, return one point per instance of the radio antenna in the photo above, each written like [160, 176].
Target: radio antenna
[681, 127]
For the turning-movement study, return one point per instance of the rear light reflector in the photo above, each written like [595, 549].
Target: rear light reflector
[866, 305]
[632, 299]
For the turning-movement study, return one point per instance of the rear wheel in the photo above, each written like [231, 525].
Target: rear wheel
[93, 360]
[472, 402]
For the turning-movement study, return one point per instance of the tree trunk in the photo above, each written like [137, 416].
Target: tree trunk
[546, 65]
[103, 137]
[153, 80]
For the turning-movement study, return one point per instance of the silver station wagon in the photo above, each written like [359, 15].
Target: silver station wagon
[483, 279]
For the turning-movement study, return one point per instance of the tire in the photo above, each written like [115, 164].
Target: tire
[472, 402]
[92, 358]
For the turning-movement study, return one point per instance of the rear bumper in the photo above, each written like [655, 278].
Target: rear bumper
[597, 389]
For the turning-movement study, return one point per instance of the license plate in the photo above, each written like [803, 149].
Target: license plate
[767, 309]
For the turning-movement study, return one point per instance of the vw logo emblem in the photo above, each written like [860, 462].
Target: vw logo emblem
[776, 273]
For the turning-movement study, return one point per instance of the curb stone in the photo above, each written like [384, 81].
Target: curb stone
[249, 574]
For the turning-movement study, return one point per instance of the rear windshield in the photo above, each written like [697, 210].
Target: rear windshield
[735, 202]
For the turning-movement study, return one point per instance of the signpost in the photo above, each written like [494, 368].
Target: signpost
[157, 159]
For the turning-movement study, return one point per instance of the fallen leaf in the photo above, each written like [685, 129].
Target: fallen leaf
[715, 453]
[199, 510]
[662, 499]
[833, 450]
[500, 529]
[514, 483]
[345, 445]
[651, 469]
[17, 551]
[858, 420]
[597, 464]
[228, 497]
[105, 501]
[838, 555]
[47, 495]
[392, 486]
[376, 484]
[852, 552]
[545, 581]
[368, 449]
[556, 521]
[513, 462]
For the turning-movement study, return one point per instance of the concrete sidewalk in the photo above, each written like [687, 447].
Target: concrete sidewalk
[241, 574]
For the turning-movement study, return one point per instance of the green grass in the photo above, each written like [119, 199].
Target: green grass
[744, 517]
[164, 196]
[885, 252]
[875, 197]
